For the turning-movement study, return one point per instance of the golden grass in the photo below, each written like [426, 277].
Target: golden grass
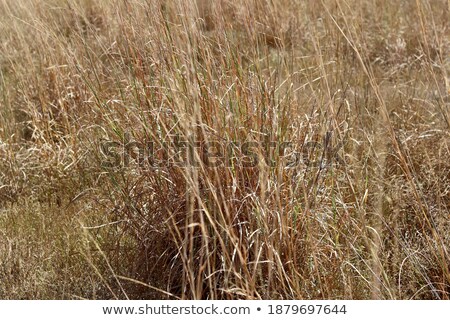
[359, 88]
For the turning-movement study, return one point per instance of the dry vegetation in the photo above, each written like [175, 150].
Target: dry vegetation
[369, 75]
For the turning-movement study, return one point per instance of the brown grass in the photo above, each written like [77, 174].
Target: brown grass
[370, 76]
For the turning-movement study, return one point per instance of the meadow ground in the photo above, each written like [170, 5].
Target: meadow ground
[314, 137]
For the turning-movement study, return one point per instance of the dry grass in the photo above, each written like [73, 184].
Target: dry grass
[367, 80]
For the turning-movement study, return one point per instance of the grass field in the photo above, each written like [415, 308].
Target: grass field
[229, 149]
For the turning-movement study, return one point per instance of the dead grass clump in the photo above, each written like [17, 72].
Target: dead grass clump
[328, 123]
